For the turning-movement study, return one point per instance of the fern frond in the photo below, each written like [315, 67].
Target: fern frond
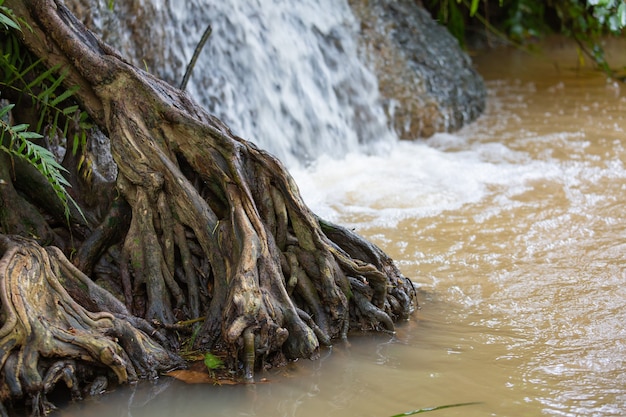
[21, 146]
[45, 92]
[8, 19]
[28, 77]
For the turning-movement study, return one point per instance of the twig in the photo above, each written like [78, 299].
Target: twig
[194, 58]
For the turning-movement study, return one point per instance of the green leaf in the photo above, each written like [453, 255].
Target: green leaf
[7, 19]
[20, 127]
[68, 111]
[43, 76]
[427, 409]
[57, 82]
[8, 22]
[621, 15]
[30, 135]
[6, 109]
[474, 7]
[66, 94]
[212, 362]
[75, 144]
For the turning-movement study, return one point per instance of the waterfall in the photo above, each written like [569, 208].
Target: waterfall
[284, 74]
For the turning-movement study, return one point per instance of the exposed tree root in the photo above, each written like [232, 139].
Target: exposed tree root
[217, 229]
[46, 335]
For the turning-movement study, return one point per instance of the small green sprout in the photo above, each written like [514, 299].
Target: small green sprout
[212, 362]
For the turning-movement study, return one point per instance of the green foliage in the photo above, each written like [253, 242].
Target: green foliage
[525, 19]
[16, 141]
[212, 362]
[587, 22]
[43, 87]
[610, 14]
[584, 21]
[28, 79]
[451, 14]
[7, 19]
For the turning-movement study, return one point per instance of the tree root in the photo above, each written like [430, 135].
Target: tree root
[46, 335]
[218, 228]
[249, 354]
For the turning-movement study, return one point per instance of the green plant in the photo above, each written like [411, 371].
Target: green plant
[44, 91]
[19, 145]
[455, 14]
[525, 19]
[7, 19]
[55, 115]
[450, 13]
[609, 13]
[587, 22]
[428, 409]
[212, 362]
[584, 21]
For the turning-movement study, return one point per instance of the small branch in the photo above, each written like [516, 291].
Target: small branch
[194, 58]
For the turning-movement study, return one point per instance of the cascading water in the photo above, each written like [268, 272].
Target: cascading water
[289, 78]
[283, 74]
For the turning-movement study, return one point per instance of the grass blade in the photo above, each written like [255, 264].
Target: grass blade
[427, 409]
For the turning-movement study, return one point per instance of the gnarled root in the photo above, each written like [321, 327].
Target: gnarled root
[46, 334]
[218, 228]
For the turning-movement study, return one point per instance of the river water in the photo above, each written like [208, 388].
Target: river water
[514, 230]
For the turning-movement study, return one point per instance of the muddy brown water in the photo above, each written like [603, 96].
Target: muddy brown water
[513, 228]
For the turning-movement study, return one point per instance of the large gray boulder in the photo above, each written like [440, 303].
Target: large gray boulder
[427, 81]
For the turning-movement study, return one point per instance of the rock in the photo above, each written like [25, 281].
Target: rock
[426, 79]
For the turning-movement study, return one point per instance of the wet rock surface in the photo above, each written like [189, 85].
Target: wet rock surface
[426, 80]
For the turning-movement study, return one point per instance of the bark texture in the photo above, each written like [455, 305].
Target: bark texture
[215, 229]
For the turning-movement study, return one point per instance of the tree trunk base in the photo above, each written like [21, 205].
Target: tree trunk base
[217, 230]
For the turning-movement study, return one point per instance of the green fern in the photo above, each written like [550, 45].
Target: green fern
[45, 93]
[18, 144]
[7, 18]
[30, 80]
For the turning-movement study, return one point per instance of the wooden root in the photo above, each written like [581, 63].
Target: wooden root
[46, 335]
[218, 228]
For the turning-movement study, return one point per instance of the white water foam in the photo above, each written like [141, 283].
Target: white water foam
[413, 179]
[419, 179]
